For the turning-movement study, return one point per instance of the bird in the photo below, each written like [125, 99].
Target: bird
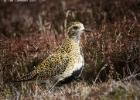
[65, 62]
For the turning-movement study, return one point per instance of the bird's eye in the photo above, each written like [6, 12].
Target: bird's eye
[75, 27]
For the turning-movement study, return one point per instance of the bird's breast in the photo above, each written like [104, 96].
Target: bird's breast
[79, 63]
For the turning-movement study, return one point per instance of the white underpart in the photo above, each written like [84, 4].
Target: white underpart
[79, 64]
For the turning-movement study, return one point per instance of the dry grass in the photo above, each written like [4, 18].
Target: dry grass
[111, 90]
[111, 51]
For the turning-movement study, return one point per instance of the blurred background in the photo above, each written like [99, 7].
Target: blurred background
[30, 31]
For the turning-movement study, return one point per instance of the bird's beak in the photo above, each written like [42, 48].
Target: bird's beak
[87, 30]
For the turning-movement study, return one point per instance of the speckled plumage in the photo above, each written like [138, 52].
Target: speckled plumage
[65, 60]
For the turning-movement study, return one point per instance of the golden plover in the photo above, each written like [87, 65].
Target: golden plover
[65, 61]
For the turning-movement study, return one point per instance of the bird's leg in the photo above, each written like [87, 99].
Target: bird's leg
[57, 79]
[53, 85]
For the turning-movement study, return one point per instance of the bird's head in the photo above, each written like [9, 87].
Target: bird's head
[75, 29]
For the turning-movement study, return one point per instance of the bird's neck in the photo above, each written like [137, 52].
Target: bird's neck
[76, 38]
[71, 44]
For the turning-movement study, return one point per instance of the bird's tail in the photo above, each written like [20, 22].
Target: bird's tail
[27, 77]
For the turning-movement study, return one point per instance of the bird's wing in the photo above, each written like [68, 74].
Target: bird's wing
[53, 65]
